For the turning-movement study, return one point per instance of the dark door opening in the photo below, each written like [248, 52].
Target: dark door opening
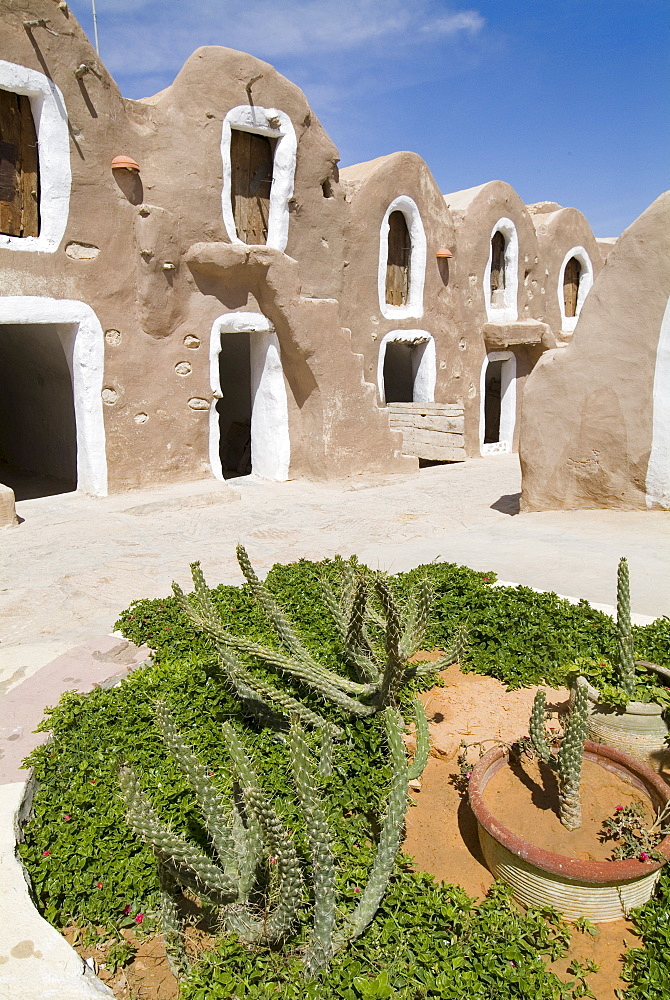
[251, 163]
[38, 438]
[492, 396]
[234, 408]
[399, 371]
[398, 261]
[571, 276]
[497, 269]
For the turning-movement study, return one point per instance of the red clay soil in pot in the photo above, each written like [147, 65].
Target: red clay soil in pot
[520, 812]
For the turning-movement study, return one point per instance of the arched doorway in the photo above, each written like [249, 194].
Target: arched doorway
[498, 403]
[406, 369]
[52, 436]
[249, 414]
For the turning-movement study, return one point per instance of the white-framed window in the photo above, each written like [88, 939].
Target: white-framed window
[406, 368]
[498, 403]
[402, 265]
[249, 196]
[575, 280]
[53, 143]
[501, 277]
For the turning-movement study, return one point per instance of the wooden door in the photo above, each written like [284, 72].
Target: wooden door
[398, 261]
[19, 172]
[251, 160]
[497, 262]
[571, 275]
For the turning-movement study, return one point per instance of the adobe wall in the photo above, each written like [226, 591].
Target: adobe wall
[561, 234]
[475, 212]
[371, 189]
[596, 415]
[127, 238]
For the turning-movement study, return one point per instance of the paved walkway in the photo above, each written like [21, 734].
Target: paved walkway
[75, 562]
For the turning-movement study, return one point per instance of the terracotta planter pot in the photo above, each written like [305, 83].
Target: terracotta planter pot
[639, 731]
[597, 890]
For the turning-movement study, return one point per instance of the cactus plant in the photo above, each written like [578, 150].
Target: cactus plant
[568, 761]
[244, 833]
[626, 657]
[381, 672]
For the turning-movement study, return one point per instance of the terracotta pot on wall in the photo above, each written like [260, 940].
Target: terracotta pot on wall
[640, 730]
[597, 890]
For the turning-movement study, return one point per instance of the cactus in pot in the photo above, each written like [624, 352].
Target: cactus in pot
[568, 761]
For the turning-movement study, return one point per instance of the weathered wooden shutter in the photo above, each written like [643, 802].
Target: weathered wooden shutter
[251, 158]
[398, 261]
[497, 262]
[19, 172]
[571, 275]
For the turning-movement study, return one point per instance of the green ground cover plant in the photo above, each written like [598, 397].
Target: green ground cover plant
[87, 867]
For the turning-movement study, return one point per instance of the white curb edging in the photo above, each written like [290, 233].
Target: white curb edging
[36, 962]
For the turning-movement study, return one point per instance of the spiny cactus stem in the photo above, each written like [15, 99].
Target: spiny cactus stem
[320, 947]
[422, 742]
[538, 734]
[214, 810]
[169, 846]
[389, 840]
[570, 757]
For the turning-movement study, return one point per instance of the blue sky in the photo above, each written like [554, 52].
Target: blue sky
[567, 100]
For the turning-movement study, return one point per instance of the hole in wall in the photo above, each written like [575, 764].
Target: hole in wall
[492, 401]
[399, 371]
[234, 408]
[38, 442]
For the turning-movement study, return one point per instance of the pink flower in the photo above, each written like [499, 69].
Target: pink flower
[98, 885]
[45, 854]
[126, 910]
[66, 817]
[139, 918]
[92, 781]
[273, 861]
[513, 964]
[619, 809]
[356, 889]
[644, 856]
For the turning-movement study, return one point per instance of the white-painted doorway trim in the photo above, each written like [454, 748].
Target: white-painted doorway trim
[276, 125]
[568, 323]
[270, 441]
[53, 142]
[84, 350]
[505, 443]
[424, 369]
[413, 309]
[509, 311]
[658, 470]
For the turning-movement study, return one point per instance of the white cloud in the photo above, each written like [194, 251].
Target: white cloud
[155, 28]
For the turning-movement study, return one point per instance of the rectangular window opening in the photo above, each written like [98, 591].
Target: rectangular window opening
[398, 261]
[251, 161]
[19, 167]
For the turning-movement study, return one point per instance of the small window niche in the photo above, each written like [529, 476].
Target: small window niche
[398, 261]
[575, 279]
[571, 277]
[498, 270]
[251, 166]
[19, 167]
